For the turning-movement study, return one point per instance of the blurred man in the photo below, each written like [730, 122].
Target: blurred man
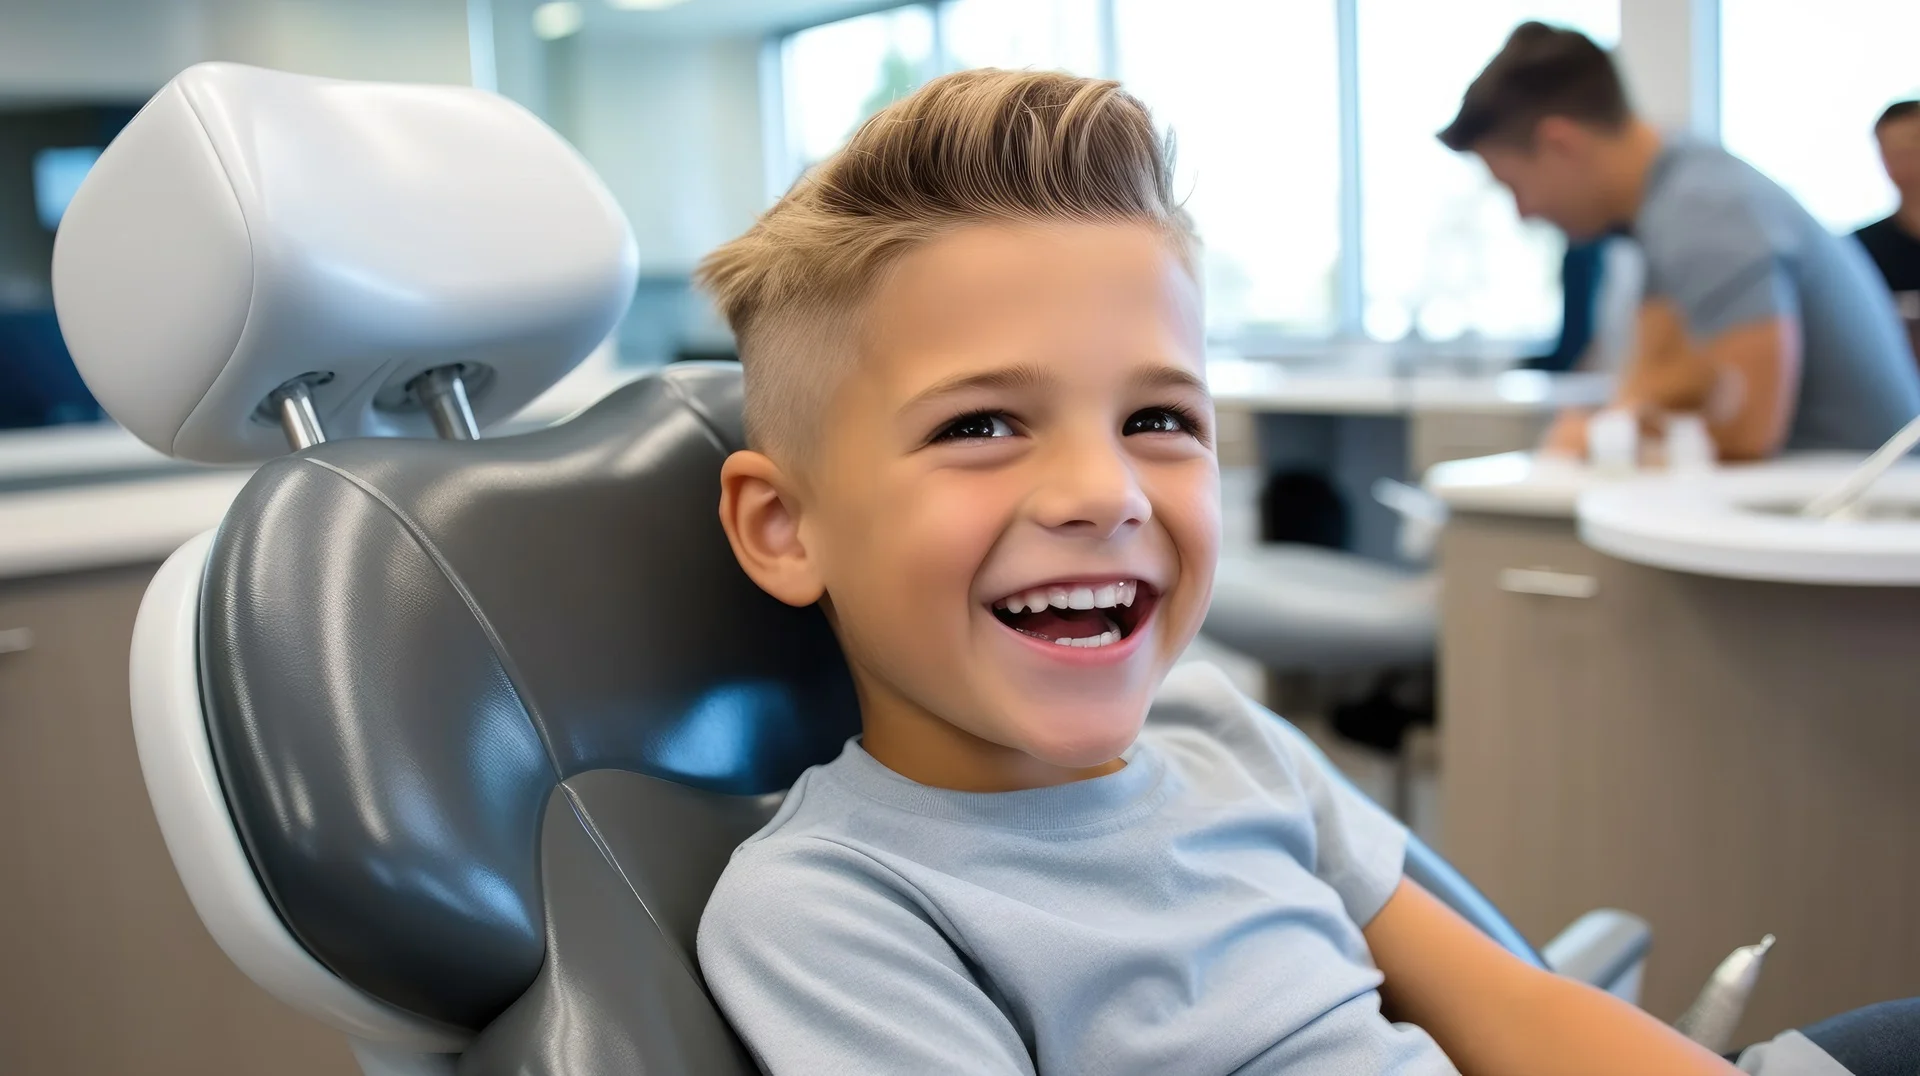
[1894, 243]
[1755, 316]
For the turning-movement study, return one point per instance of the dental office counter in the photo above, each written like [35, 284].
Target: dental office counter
[1354, 415]
[1715, 725]
[107, 967]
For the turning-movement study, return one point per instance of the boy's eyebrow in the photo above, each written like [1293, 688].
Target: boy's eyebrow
[1169, 377]
[1028, 375]
[1019, 376]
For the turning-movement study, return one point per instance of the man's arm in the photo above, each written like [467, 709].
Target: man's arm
[1495, 1015]
[1745, 380]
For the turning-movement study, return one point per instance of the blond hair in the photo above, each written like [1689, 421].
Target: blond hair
[973, 147]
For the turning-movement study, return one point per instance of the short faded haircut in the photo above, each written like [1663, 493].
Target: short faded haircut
[975, 147]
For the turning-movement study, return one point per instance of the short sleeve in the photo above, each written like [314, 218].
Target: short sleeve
[1713, 254]
[1359, 849]
[821, 967]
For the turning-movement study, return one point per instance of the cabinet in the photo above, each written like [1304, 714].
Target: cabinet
[104, 967]
[1726, 758]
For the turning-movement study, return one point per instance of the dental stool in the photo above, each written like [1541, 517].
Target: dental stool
[450, 738]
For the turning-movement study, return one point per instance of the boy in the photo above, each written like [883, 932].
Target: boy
[981, 440]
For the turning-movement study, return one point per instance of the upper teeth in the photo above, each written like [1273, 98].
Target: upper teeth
[1104, 596]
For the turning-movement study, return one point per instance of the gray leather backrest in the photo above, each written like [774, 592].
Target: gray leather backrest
[407, 646]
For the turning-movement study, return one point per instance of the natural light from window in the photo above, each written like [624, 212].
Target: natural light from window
[1800, 87]
[1256, 117]
[836, 75]
[1442, 251]
[1047, 35]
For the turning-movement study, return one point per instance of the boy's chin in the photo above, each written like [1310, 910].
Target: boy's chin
[1081, 745]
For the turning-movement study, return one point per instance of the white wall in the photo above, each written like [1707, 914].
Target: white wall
[1670, 58]
[673, 128]
[95, 49]
[126, 49]
[376, 40]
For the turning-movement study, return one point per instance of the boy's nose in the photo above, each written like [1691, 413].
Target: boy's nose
[1091, 490]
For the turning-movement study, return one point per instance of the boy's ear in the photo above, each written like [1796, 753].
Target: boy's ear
[761, 515]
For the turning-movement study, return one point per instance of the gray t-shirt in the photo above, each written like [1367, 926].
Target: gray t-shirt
[1729, 247]
[1197, 912]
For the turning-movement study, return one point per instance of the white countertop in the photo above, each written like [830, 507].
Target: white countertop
[1375, 388]
[101, 524]
[77, 451]
[1710, 525]
[1705, 523]
[1514, 484]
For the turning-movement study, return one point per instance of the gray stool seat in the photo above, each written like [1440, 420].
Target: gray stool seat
[1301, 608]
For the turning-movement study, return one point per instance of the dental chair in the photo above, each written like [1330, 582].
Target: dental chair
[449, 737]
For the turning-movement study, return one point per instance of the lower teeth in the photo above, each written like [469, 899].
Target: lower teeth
[1105, 638]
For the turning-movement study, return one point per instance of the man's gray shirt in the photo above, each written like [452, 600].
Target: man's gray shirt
[1729, 247]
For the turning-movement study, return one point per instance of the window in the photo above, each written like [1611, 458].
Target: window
[1442, 250]
[1252, 93]
[1800, 87]
[1062, 35]
[835, 76]
[56, 179]
[1284, 126]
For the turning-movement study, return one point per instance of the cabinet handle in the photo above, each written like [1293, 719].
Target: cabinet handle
[1545, 581]
[16, 640]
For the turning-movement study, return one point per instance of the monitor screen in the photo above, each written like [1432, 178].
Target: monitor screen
[56, 176]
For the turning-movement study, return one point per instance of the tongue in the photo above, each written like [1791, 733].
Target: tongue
[1062, 623]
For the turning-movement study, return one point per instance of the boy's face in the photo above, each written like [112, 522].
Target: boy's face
[1027, 426]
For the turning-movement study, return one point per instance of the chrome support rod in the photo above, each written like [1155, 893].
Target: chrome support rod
[293, 404]
[443, 393]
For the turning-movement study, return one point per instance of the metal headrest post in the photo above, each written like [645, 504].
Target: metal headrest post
[442, 391]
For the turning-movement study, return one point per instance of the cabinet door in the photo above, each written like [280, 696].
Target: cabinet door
[1522, 614]
[104, 967]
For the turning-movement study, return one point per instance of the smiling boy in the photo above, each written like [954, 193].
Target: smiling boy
[982, 441]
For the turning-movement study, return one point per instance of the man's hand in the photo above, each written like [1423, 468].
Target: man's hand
[1495, 1015]
[1567, 437]
[1746, 380]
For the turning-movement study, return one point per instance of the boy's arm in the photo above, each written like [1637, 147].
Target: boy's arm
[1495, 1015]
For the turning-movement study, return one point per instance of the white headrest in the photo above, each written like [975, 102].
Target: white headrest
[250, 227]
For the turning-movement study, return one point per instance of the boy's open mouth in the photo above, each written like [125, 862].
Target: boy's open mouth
[1079, 614]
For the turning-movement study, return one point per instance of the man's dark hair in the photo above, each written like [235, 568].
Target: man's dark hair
[1897, 111]
[1541, 71]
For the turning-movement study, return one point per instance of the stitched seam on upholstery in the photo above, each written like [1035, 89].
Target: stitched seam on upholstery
[253, 266]
[606, 853]
[432, 551]
[699, 412]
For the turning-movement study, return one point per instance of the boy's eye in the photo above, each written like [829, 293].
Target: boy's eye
[1158, 420]
[980, 426]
